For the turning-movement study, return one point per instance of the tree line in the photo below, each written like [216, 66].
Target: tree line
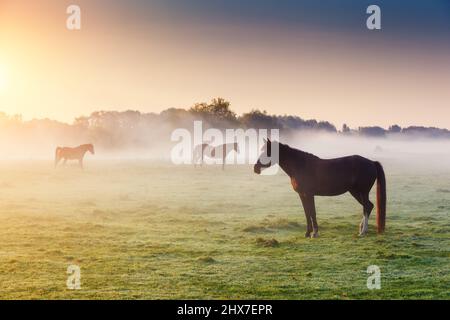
[116, 130]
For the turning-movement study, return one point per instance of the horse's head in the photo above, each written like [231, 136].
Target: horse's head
[265, 160]
[90, 148]
[236, 147]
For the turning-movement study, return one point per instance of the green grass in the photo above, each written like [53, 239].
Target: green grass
[152, 231]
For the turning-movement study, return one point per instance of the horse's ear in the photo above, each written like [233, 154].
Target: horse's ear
[269, 147]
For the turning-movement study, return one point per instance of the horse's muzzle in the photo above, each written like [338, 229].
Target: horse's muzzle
[257, 169]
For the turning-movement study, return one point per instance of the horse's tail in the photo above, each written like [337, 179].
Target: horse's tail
[381, 198]
[57, 155]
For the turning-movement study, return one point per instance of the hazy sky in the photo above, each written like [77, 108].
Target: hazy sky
[308, 58]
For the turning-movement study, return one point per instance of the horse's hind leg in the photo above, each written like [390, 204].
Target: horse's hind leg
[358, 197]
[194, 159]
[368, 207]
[363, 199]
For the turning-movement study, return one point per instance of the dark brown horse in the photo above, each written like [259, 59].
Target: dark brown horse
[312, 176]
[73, 153]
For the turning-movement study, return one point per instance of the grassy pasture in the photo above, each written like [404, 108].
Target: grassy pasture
[142, 230]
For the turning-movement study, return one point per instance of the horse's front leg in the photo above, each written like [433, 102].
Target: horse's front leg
[308, 203]
[313, 218]
[223, 162]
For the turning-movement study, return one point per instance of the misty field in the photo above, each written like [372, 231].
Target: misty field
[145, 230]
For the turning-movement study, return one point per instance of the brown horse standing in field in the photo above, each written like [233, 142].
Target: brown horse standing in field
[73, 153]
[312, 176]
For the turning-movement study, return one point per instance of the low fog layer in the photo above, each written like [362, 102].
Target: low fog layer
[416, 153]
[135, 135]
[425, 153]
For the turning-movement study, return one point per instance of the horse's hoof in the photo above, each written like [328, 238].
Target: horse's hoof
[362, 234]
[315, 235]
[308, 235]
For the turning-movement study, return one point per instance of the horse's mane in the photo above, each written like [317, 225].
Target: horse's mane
[296, 153]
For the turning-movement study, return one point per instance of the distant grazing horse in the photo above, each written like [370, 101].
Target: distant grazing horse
[312, 176]
[214, 151]
[73, 153]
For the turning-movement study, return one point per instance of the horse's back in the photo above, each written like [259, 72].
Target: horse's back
[69, 153]
[339, 175]
[353, 161]
[349, 164]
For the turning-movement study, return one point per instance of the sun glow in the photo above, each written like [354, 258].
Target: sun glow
[3, 79]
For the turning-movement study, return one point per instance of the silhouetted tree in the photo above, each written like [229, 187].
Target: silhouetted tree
[259, 120]
[345, 128]
[372, 131]
[395, 129]
[217, 113]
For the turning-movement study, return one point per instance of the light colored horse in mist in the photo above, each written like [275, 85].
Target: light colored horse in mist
[210, 151]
